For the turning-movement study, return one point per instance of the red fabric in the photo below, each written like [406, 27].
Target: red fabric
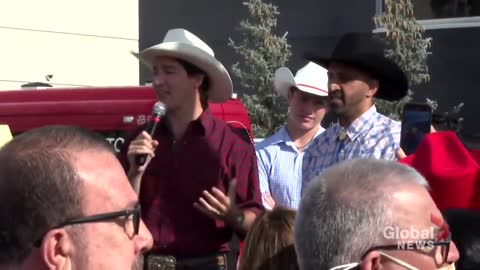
[452, 171]
[475, 155]
[176, 177]
[240, 249]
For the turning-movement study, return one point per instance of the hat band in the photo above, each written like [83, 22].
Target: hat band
[313, 87]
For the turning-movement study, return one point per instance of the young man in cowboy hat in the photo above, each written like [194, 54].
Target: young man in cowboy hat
[358, 71]
[200, 181]
[280, 156]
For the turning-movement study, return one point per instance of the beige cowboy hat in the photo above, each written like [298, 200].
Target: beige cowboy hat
[181, 44]
[311, 78]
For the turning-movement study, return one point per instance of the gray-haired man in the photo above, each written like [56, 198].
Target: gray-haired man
[371, 214]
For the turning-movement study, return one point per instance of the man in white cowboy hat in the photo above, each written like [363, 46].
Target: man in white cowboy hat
[201, 183]
[280, 156]
[358, 71]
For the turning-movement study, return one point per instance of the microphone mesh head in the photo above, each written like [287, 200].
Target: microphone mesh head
[159, 108]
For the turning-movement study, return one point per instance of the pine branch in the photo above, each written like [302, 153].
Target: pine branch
[408, 49]
[261, 53]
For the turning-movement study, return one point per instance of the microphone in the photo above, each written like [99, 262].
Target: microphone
[158, 111]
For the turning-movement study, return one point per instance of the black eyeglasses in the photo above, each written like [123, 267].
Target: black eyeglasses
[135, 213]
[417, 245]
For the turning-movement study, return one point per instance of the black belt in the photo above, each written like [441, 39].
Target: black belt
[161, 262]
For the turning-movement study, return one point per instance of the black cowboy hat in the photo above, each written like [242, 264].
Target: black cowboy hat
[368, 54]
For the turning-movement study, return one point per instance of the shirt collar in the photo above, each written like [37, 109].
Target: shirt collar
[281, 136]
[203, 125]
[358, 125]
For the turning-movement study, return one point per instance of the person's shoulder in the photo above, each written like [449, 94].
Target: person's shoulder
[321, 141]
[387, 123]
[269, 142]
[236, 136]
[327, 133]
[386, 130]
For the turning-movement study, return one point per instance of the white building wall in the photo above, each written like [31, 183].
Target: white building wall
[79, 42]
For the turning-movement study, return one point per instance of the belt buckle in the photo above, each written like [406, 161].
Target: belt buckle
[155, 262]
[221, 260]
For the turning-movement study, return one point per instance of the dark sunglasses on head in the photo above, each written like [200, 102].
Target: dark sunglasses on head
[135, 213]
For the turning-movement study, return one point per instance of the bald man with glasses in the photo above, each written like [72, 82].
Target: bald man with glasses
[67, 204]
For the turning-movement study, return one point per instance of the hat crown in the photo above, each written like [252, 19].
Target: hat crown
[352, 44]
[183, 36]
[367, 53]
[311, 78]
[312, 75]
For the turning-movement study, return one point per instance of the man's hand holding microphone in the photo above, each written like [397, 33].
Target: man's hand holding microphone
[142, 149]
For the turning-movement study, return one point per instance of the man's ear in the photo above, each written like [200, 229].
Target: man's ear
[373, 86]
[371, 262]
[291, 91]
[57, 249]
[198, 79]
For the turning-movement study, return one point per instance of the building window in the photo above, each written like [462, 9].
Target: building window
[434, 14]
[441, 9]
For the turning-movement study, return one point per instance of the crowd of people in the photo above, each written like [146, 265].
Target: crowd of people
[308, 197]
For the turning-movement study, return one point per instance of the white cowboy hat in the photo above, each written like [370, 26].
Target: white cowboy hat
[181, 44]
[311, 78]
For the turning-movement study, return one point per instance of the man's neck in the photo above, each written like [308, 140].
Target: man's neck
[301, 137]
[347, 119]
[179, 120]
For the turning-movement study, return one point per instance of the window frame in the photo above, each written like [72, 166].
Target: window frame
[432, 24]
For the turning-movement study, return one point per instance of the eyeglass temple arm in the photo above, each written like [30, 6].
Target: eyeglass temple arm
[97, 218]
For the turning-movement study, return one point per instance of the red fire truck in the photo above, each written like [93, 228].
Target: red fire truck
[112, 111]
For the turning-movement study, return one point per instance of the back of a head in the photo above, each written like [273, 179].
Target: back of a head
[344, 210]
[39, 185]
[465, 230]
[269, 243]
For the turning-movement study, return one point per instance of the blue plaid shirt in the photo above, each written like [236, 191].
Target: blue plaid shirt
[280, 168]
[372, 135]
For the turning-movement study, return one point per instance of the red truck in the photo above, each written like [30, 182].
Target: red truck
[112, 111]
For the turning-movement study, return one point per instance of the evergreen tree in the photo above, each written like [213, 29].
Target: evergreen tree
[408, 49]
[261, 52]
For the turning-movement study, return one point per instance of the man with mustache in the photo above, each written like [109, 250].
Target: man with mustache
[280, 155]
[358, 71]
[67, 204]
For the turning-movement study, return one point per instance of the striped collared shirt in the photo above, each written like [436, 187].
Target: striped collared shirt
[280, 168]
[372, 135]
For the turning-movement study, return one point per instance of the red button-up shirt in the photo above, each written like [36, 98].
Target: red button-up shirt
[209, 151]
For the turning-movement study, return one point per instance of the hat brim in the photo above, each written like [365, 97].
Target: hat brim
[284, 79]
[220, 83]
[393, 82]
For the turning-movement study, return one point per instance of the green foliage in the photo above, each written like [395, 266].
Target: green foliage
[261, 52]
[408, 49]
